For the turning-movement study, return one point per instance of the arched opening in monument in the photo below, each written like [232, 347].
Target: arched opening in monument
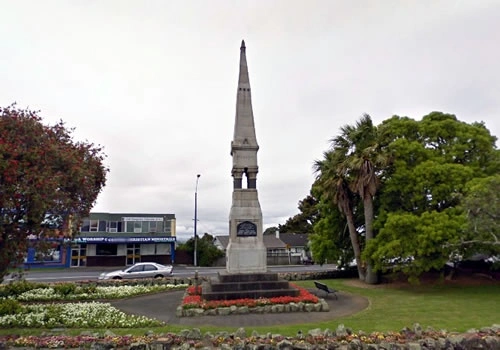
[245, 171]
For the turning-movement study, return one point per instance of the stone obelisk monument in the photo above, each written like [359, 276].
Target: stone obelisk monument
[246, 252]
[246, 273]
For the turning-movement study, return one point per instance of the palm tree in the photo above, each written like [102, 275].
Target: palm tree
[362, 158]
[349, 168]
[336, 189]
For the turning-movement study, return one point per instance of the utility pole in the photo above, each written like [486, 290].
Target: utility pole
[196, 221]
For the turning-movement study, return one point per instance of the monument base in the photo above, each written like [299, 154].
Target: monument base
[247, 286]
[246, 256]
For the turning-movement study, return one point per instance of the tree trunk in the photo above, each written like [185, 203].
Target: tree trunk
[371, 276]
[353, 235]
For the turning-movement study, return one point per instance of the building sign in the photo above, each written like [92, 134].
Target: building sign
[124, 240]
[246, 229]
[128, 218]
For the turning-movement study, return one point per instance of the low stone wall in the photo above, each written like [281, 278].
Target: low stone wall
[342, 338]
[321, 306]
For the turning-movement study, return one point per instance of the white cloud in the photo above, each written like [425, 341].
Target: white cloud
[155, 83]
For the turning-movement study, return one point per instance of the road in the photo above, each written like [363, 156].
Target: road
[91, 273]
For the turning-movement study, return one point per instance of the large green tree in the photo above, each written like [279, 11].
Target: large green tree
[420, 219]
[207, 252]
[482, 207]
[302, 222]
[47, 180]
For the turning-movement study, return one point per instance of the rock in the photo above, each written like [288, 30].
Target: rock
[194, 333]
[256, 334]
[341, 331]
[242, 310]
[193, 312]
[137, 346]
[414, 346]
[108, 333]
[492, 342]
[355, 344]
[309, 307]
[101, 346]
[211, 312]
[259, 309]
[285, 345]
[317, 307]
[184, 333]
[314, 332]
[417, 328]
[179, 312]
[223, 311]
[324, 306]
[241, 333]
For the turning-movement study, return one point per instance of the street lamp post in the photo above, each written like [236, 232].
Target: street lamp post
[196, 221]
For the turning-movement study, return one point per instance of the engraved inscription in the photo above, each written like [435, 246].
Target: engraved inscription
[246, 228]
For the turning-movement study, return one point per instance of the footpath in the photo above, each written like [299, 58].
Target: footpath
[163, 307]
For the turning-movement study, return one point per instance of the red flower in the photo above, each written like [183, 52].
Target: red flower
[194, 300]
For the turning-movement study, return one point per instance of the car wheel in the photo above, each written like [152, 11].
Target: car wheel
[159, 276]
[117, 278]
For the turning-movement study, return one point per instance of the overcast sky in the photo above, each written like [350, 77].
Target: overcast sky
[154, 82]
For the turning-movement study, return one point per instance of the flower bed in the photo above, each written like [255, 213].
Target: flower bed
[194, 305]
[71, 315]
[36, 292]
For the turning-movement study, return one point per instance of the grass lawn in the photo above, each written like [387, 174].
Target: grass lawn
[453, 307]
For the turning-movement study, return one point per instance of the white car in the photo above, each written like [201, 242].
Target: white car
[139, 270]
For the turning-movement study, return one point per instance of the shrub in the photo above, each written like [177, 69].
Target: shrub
[9, 307]
[19, 287]
[65, 288]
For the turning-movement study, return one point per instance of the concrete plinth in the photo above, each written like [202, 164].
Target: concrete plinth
[246, 257]
[247, 285]
[246, 252]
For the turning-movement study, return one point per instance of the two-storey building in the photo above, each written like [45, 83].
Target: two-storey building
[119, 239]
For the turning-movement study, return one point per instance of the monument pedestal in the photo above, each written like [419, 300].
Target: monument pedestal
[246, 256]
[246, 252]
[248, 285]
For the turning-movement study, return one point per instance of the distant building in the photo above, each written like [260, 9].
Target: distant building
[289, 250]
[297, 244]
[119, 239]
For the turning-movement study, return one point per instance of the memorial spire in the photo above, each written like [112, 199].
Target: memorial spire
[244, 127]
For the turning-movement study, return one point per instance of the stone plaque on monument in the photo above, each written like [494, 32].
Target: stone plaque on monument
[246, 228]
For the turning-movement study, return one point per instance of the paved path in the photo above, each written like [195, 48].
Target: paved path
[162, 306]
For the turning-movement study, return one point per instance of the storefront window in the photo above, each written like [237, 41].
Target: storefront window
[106, 249]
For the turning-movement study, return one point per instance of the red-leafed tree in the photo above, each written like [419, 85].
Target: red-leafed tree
[47, 181]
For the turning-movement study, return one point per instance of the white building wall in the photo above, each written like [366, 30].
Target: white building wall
[162, 248]
[147, 249]
[90, 249]
[121, 250]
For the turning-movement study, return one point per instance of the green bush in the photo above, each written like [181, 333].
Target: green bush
[9, 307]
[88, 288]
[19, 287]
[64, 288]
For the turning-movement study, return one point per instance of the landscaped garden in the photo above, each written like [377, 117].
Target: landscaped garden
[75, 315]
